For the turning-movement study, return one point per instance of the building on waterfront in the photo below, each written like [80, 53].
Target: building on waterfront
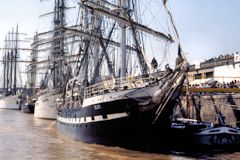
[224, 69]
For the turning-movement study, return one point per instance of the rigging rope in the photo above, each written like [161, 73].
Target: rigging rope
[146, 7]
[142, 60]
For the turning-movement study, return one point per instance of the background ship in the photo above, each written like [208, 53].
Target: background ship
[11, 78]
[54, 45]
[31, 89]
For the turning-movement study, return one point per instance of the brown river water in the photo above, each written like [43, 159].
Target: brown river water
[23, 137]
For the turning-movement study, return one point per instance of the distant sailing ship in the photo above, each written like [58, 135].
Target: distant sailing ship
[120, 108]
[45, 106]
[9, 98]
[29, 96]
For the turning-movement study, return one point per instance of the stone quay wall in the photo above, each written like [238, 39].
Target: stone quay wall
[204, 107]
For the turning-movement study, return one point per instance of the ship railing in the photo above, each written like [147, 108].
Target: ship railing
[119, 84]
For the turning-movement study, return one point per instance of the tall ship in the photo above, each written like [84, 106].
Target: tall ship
[55, 67]
[29, 92]
[10, 93]
[117, 96]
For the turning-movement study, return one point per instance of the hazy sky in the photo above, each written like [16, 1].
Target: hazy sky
[207, 27]
[23, 12]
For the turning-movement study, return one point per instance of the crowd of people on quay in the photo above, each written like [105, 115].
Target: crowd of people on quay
[221, 57]
[216, 84]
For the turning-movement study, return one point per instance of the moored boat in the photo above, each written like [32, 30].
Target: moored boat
[219, 136]
[28, 108]
[190, 133]
[10, 96]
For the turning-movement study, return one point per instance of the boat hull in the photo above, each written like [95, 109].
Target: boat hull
[128, 118]
[45, 106]
[116, 123]
[27, 108]
[219, 137]
[9, 102]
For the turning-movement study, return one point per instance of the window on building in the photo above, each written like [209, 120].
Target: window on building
[209, 75]
[198, 76]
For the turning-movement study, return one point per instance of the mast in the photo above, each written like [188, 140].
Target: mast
[123, 41]
[4, 67]
[15, 63]
[97, 29]
[85, 28]
[58, 42]
[33, 67]
[4, 72]
[10, 60]
[11, 42]
[7, 62]
[121, 14]
[124, 20]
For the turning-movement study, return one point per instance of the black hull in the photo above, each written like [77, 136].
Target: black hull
[135, 130]
[29, 108]
[122, 122]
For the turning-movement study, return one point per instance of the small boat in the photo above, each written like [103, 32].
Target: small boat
[218, 136]
[28, 106]
[183, 131]
[191, 131]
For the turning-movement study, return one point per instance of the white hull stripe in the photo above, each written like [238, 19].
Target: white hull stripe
[89, 119]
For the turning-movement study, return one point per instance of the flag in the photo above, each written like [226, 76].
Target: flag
[164, 2]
